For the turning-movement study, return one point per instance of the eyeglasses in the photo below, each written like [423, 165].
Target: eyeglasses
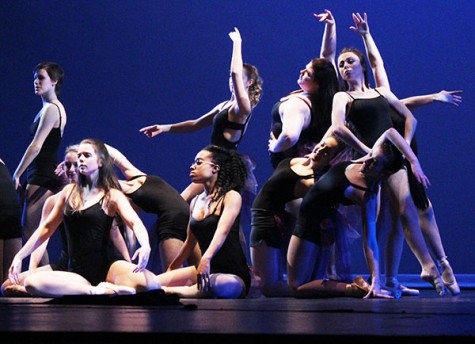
[199, 161]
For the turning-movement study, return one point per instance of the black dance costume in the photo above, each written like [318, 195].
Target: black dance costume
[308, 138]
[89, 243]
[10, 208]
[270, 202]
[327, 193]
[41, 170]
[230, 258]
[158, 197]
[368, 119]
[220, 124]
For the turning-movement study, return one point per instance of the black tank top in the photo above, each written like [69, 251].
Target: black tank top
[368, 119]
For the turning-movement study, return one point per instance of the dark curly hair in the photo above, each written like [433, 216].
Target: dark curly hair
[232, 173]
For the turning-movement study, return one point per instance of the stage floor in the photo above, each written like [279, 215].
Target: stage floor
[420, 318]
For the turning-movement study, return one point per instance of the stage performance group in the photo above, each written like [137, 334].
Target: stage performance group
[345, 171]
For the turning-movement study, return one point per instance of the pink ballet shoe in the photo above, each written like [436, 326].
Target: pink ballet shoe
[106, 288]
[448, 276]
[436, 281]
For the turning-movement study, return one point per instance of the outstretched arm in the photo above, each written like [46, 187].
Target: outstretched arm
[182, 127]
[449, 97]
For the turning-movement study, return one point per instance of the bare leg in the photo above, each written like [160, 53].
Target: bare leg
[121, 274]
[34, 201]
[399, 188]
[431, 233]
[267, 266]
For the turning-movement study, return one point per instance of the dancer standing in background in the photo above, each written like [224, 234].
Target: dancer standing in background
[40, 158]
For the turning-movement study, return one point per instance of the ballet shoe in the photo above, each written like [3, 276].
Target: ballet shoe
[106, 288]
[393, 284]
[436, 282]
[448, 276]
[358, 288]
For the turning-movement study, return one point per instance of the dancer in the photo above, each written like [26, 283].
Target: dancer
[425, 212]
[367, 113]
[67, 172]
[154, 195]
[300, 119]
[230, 118]
[40, 158]
[291, 180]
[88, 209]
[214, 225]
[351, 182]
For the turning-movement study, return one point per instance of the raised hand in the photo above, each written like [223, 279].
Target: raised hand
[361, 24]
[325, 17]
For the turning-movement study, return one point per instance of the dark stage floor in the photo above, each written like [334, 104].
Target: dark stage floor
[424, 318]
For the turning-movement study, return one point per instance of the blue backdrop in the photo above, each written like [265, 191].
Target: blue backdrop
[131, 63]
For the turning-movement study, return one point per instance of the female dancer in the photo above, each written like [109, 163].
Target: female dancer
[40, 158]
[67, 172]
[153, 195]
[350, 182]
[291, 180]
[425, 212]
[359, 116]
[214, 225]
[88, 209]
[230, 118]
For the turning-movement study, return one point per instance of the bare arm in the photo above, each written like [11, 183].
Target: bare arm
[40, 235]
[340, 101]
[121, 161]
[232, 207]
[328, 48]
[398, 141]
[182, 127]
[133, 221]
[295, 117]
[374, 57]
[243, 103]
[449, 97]
[47, 122]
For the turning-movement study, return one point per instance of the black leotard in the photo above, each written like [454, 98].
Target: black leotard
[270, 202]
[368, 119]
[41, 170]
[323, 196]
[220, 123]
[230, 258]
[10, 208]
[88, 236]
[158, 197]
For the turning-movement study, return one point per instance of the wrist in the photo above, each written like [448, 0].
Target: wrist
[165, 128]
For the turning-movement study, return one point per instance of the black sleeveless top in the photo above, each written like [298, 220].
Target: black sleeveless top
[89, 243]
[230, 258]
[368, 119]
[220, 123]
[41, 170]
[279, 188]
